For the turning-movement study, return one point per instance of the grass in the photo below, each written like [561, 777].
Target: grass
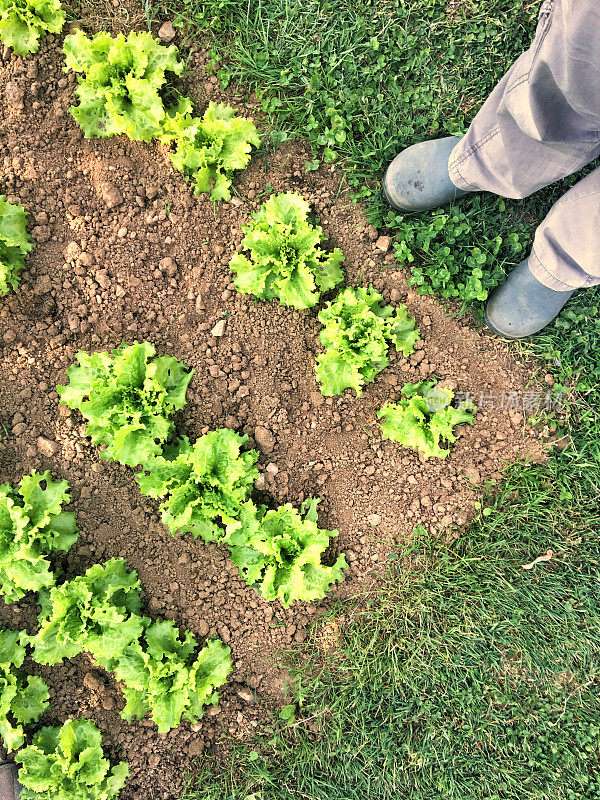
[469, 677]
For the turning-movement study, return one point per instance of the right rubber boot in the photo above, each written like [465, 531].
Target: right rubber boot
[418, 178]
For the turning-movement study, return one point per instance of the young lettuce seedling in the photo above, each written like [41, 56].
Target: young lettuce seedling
[23, 698]
[68, 763]
[14, 243]
[424, 419]
[23, 22]
[209, 148]
[285, 260]
[128, 397]
[356, 335]
[32, 525]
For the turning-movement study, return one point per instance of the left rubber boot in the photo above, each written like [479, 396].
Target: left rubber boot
[523, 305]
[418, 178]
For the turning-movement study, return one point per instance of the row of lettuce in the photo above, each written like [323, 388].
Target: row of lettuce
[161, 671]
[120, 84]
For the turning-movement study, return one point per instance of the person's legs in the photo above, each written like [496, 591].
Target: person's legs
[566, 248]
[542, 121]
[565, 256]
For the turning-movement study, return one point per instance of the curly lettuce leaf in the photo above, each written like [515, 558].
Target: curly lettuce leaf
[22, 22]
[68, 763]
[23, 698]
[14, 241]
[32, 525]
[128, 398]
[356, 335]
[279, 552]
[163, 675]
[209, 149]
[285, 258]
[203, 484]
[96, 612]
[120, 83]
[424, 419]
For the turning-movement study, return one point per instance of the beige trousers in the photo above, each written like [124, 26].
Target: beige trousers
[540, 124]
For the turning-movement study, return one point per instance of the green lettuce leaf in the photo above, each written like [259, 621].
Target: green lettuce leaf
[356, 334]
[279, 552]
[209, 149]
[120, 83]
[32, 525]
[162, 674]
[14, 240]
[96, 612]
[424, 418]
[23, 698]
[22, 22]
[285, 260]
[203, 484]
[68, 763]
[128, 398]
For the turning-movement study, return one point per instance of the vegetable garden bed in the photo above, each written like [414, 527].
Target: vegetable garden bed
[125, 252]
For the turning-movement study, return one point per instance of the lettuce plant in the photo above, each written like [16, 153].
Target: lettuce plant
[14, 241]
[356, 334]
[68, 763]
[279, 552]
[203, 484]
[32, 525]
[128, 398]
[286, 261]
[210, 148]
[165, 675]
[96, 612]
[22, 22]
[23, 698]
[120, 83]
[424, 419]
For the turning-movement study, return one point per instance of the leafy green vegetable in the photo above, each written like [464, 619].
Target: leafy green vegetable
[32, 525]
[203, 483]
[356, 335]
[96, 612]
[22, 22]
[424, 418]
[279, 552]
[14, 240]
[68, 763]
[128, 398]
[210, 148]
[23, 698]
[119, 91]
[286, 261]
[163, 675]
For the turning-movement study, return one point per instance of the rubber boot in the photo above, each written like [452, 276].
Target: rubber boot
[523, 305]
[418, 178]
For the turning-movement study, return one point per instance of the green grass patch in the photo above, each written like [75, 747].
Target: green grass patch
[469, 677]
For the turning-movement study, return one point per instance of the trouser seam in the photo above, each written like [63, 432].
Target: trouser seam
[457, 161]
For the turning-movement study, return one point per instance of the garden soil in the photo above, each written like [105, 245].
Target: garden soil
[125, 252]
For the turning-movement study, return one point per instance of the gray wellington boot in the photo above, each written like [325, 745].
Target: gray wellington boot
[523, 305]
[10, 788]
[418, 178]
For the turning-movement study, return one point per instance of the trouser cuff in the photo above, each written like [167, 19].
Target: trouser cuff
[546, 278]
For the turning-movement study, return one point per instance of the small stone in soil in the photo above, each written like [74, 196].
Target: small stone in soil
[47, 447]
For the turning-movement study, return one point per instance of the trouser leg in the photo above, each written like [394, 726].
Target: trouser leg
[566, 248]
[542, 121]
